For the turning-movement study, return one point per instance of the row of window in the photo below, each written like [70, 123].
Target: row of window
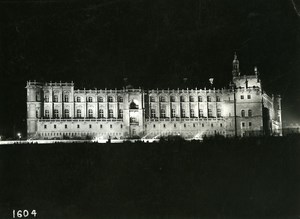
[184, 125]
[243, 113]
[79, 113]
[183, 113]
[248, 97]
[184, 99]
[243, 124]
[79, 99]
[78, 134]
[78, 126]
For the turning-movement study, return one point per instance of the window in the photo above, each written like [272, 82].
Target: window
[202, 124]
[153, 115]
[192, 99]
[55, 113]
[164, 125]
[78, 113]
[192, 113]
[174, 125]
[210, 113]
[120, 113]
[90, 126]
[66, 126]
[162, 99]
[163, 113]
[173, 113]
[101, 126]
[45, 126]
[182, 99]
[172, 99]
[38, 97]
[100, 99]
[110, 99]
[152, 99]
[46, 98]
[200, 99]
[250, 113]
[121, 126]
[212, 125]
[120, 99]
[219, 113]
[183, 113]
[201, 113]
[248, 96]
[101, 114]
[54, 126]
[110, 113]
[90, 112]
[78, 99]
[218, 99]
[243, 113]
[184, 125]
[90, 99]
[78, 126]
[66, 98]
[243, 124]
[37, 114]
[242, 97]
[47, 113]
[208, 99]
[250, 124]
[153, 125]
[110, 126]
[221, 125]
[55, 98]
[194, 125]
[67, 113]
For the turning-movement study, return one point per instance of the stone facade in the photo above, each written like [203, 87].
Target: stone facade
[57, 110]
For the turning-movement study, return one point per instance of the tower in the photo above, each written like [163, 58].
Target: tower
[235, 66]
[34, 106]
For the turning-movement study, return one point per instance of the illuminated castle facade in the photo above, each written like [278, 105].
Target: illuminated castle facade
[58, 111]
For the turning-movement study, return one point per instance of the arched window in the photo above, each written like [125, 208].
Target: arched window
[46, 113]
[218, 99]
[243, 113]
[192, 113]
[173, 113]
[172, 99]
[101, 114]
[67, 113]
[90, 112]
[100, 99]
[208, 99]
[56, 114]
[192, 99]
[182, 99]
[153, 114]
[162, 99]
[200, 99]
[55, 98]
[66, 98]
[133, 105]
[163, 113]
[46, 98]
[152, 99]
[120, 99]
[90, 99]
[78, 99]
[110, 113]
[250, 113]
[78, 113]
[110, 99]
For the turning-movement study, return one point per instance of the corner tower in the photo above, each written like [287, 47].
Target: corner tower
[235, 66]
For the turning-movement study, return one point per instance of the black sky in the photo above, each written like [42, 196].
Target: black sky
[152, 43]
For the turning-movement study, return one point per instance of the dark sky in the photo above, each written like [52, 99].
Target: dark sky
[153, 43]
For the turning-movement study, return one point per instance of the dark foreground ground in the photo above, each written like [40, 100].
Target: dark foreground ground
[248, 178]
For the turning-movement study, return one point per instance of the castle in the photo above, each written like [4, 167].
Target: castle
[58, 111]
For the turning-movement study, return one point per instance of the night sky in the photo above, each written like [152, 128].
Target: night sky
[155, 44]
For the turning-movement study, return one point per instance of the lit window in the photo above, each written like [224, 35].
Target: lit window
[90, 112]
[47, 113]
[78, 99]
[242, 97]
[200, 99]
[46, 98]
[100, 99]
[120, 113]
[172, 99]
[192, 99]
[78, 113]
[210, 113]
[56, 113]
[219, 113]
[110, 99]
[163, 113]
[153, 115]
[192, 113]
[101, 114]
[55, 98]
[90, 99]
[250, 113]
[218, 99]
[67, 113]
[110, 113]
[66, 98]
[243, 113]
[183, 113]
[173, 113]
[208, 99]
[201, 113]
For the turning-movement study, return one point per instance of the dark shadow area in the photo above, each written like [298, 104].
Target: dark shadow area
[218, 178]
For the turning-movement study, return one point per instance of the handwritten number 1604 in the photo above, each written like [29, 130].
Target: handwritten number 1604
[23, 213]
